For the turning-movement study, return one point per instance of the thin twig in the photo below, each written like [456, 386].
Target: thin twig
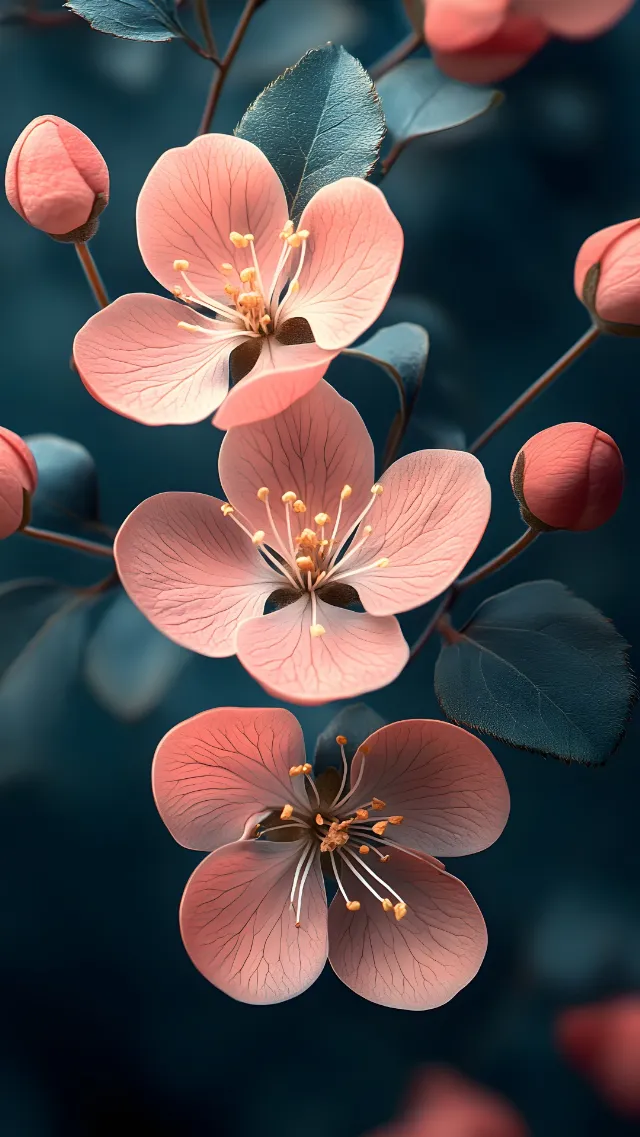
[223, 68]
[397, 55]
[67, 542]
[202, 10]
[94, 279]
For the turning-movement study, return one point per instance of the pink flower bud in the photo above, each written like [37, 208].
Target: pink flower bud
[18, 480]
[57, 180]
[569, 476]
[607, 277]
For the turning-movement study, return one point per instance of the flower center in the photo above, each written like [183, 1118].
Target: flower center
[252, 308]
[309, 558]
[345, 832]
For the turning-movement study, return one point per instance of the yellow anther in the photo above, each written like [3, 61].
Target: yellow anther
[367, 530]
[226, 268]
[263, 493]
[363, 849]
[238, 240]
[299, 506]
[287, 230]
[379, 828]
[362, 814]
[322, 519]
[384, 859]
[294, 241]
[180, 266]
[303, 234]
[178, 291]
[319, 819]
[305, 563]
[308, 537]
[289, 497]
[377, 489]
[317, 630]
[249, 299]
[354, 906]
[400, 911]
[396, 820]
[247, 274]
[387, 905]
[294, 771]
[307, 768]
[346, 491]
[287, 812]
[341, 740]
[258, 537]
[377, 803]
[364, 749]
[249, 237]
[294, 286]
[264, 322]
[230, 290]
[226, 508]
[382, 563]
[188, 327]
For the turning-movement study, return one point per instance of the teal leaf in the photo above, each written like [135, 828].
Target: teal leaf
[402, 351]
[319, 121]
[27, 609]
[418, 99]
[129, 666]
[130, 19]
[542, 670]
[67, 493]
[355, 722]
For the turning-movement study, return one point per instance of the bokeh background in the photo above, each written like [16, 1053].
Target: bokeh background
[105, 1026]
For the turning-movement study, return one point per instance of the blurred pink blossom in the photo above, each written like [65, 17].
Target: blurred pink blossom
[603, 1042]
[280, 302]
[300, 486]
[400, 931]
[443, 1103]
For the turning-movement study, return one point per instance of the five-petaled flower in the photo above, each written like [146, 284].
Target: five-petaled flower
[214, 229]
[300, 487]
[400, 931]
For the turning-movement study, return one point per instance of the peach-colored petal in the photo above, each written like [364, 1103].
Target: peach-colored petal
[576, 18]
[315, 448]
[18, 476]
[358, 652]
[195, 196]
[133, 357]
[352, 261]
[594, 248]
[428, 523]
[455, 25]
[239, 927]
[191, 571]
[618, 295]
[282, 374]
[216, 771]
[498, 57]
[419, 962]
[443, 781]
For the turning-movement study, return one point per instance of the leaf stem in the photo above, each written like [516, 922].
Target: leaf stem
[224, 64]
[397, 55]
[93, 547]
[202, 11]
[94, 280]
[537, 388]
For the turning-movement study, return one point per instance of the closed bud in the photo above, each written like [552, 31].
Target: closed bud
[57, 180]
[569, 476]
[18, 481]
[607, 278]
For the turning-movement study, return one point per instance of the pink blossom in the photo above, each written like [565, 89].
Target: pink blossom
[401, 931]
[602, 1040]
[299, 487]
[18, 480]
[443, 1103]
[483, 41]
[279, 302]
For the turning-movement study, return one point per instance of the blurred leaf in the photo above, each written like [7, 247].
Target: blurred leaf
[67, 493]
[542, 670]
[129, 665]
[130, 19]
[402, 352]
[356, 722]
[319, 121]
[27, 608]
[418, 99]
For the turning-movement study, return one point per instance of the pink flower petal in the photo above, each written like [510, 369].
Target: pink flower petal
[239, 928]
[133, 358]
[428, 522]
[443, 781]
[576, 18]
[315, 448]
[455, 25]
[18, 475]
[618, 294]
[352, 261]
[512, 45]
[191, 571]
[219, 769]
[282, 374]
[195, 196]
[419, 962]
[594, 248]
[358, 652]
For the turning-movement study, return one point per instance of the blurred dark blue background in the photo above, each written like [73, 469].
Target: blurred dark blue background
[105, 1026]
